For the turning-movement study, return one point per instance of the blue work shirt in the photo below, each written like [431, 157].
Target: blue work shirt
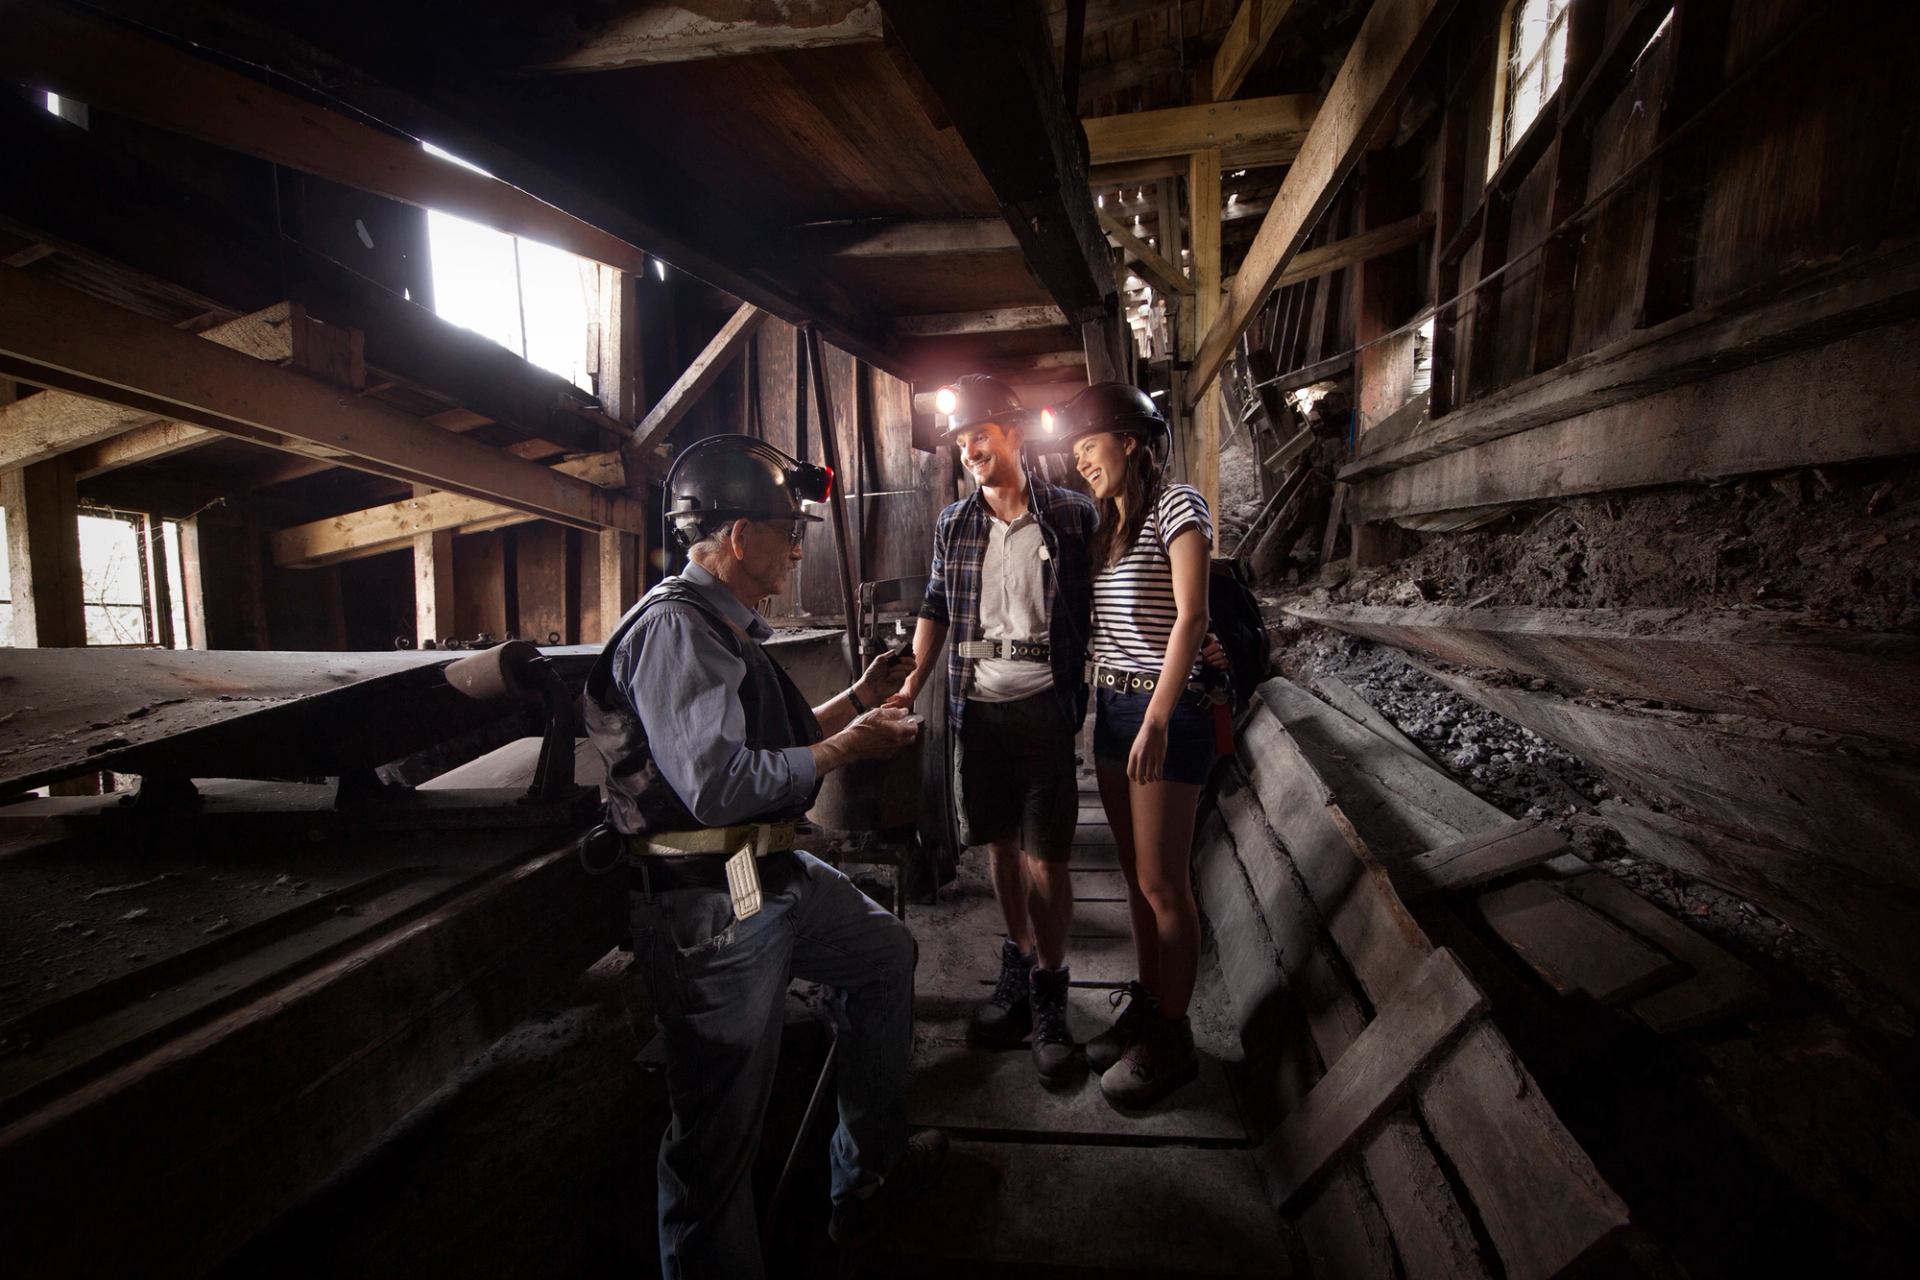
[684, 683]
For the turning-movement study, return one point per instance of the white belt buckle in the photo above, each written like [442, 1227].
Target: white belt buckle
[743, 877]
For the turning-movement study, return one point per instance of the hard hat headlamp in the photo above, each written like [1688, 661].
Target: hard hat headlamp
[810, 483]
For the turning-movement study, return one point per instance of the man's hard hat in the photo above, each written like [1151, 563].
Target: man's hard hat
[735, 477]
[979, 398]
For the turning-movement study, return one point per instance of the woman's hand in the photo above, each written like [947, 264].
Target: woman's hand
[1213, 654]
[1149, 751]
[904, 699]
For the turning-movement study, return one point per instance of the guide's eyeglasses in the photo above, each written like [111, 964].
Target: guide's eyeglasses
[796, 532]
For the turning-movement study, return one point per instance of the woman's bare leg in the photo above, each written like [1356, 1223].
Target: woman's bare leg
[1161, 841]
[1116, 798]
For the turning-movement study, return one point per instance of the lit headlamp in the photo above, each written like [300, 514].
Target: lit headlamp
[810, 483]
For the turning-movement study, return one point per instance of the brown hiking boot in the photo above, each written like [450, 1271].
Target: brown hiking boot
[1052, 1043]
[857, 1220]
[1106, 1048]
[1160, 1060]
[1002, 1018]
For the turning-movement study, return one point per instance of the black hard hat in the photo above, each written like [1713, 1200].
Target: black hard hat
[978, 398]
[1107, 406]
[735, 477]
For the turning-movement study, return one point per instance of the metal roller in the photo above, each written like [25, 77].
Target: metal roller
[504, 673]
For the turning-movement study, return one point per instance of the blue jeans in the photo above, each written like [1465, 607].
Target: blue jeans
[719, 991]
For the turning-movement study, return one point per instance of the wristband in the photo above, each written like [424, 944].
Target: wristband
[859, 708]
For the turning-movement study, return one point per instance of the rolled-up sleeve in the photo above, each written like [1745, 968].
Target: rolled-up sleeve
[685, 685]
[933, 606]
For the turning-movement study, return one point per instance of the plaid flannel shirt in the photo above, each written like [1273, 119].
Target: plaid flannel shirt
[953, 586]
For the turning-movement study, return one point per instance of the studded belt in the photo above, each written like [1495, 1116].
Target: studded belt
[1104, 677]
[1016, 650]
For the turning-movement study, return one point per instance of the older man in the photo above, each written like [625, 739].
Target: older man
[711, 754]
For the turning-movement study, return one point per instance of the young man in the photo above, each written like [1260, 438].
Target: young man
[1010, 582]
[711, 754]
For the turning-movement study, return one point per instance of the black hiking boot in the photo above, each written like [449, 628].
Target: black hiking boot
[1053, 1054]
[1003, 1018]
[1107, 1048]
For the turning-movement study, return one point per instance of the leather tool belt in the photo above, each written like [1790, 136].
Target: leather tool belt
[1103, 677]
[1016, 650]
[714, 858]
[763, 837]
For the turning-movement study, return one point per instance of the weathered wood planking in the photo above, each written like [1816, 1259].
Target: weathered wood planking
[1537, 1193]
[1799, 790]
[1409, 1190]
[1420, 1020]
[1860, 916]
[1574, 949]
[1775, 663]
[1362, 712]
[1478, 858]
[1720, 986]
[1400, 804]
[1850, 396]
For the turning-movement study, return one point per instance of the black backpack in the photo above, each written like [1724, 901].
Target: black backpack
[1233, 615]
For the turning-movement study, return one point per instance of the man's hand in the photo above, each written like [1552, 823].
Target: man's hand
[903, 700]
[880, 733]
[883, 676]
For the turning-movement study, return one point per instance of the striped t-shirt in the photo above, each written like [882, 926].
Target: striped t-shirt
[1133, 609]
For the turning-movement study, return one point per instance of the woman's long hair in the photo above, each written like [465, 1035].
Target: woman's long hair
[1141, 487]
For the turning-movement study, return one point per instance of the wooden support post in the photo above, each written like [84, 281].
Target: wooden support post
[620, 578]
[837, 500]
[43, 553]
[159, 584]
[432, 586]
[1203, 431]
[1572, 152]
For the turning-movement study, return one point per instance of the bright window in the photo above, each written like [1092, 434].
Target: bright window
[1536, 59]
[120, 600]
[531, 298]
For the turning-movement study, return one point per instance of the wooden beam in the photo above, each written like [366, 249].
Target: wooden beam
[697, 377]
[1131, 173]
[1423, 1017]
[995, 320]
[621, 576]
[51, 423]
[1280, 121]
[1355, 249]
[1389, 46]
[393, 526]
[58, 338]
[1759, 779]
[113, 68]
[1103, 14]
[1202, 454]
[990, 63]
[1705, 343]
[663, 33]
[433, 598]
[1476, 859]
[918, 239]
[1788, 666]
[1165, 276]
[43, 555]
[1246, 39]
[1851, 400]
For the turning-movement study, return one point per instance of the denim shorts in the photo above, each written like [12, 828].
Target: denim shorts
[1190, 734]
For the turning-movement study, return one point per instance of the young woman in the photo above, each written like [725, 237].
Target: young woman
[1154, 733]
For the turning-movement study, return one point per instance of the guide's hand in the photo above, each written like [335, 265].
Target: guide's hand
[881, 732]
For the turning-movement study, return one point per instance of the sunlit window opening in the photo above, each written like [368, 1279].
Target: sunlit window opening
[532, 299]
[1535, 63]
[124, 602]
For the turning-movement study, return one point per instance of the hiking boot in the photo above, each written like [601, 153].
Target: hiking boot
[1106, 1048]
[1160, 1060]
[858, 1219]
[1052, 1042]
[1003, 1018]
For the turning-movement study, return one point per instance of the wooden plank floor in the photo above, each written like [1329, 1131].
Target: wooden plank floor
[1055, 1180]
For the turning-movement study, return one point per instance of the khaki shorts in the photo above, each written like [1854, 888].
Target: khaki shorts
[1014, 774]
